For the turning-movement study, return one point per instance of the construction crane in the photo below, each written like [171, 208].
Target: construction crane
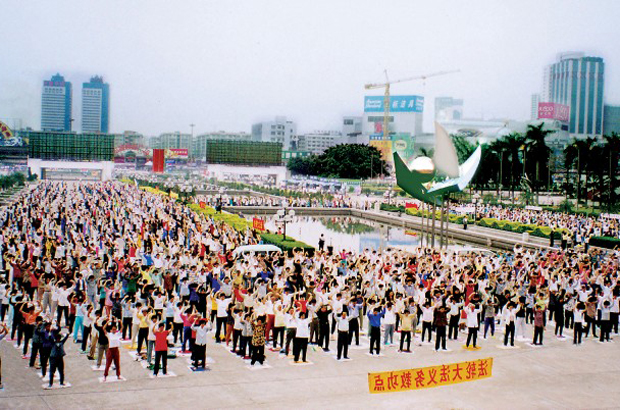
[386, 98]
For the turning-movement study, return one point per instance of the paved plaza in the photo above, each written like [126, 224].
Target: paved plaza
[558, 375]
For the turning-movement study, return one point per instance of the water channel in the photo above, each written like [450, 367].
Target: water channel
[351, 233]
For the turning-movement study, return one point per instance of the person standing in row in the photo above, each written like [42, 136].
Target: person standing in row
[406, 327]
[161, 348]
[441, 322]
[472, 324]
[539, 325]
[3, 332]
[578, 325]
[200, 345]
[510, 316]
[374, 318]
[113, 355]
[343, 335]
[302, 333]
[57, 361]
[258, 342]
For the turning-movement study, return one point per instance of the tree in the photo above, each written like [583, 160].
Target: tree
[537, 154]
[463, 147]
[302, 166]
[612, 148]
[354, 161]
[580, 151]
[509, 148]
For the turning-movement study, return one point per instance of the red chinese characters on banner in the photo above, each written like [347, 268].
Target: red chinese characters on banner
[258, 224]
[203, 204]
[433, 376]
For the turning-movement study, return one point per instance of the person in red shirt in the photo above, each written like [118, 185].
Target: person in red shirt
[161, 348]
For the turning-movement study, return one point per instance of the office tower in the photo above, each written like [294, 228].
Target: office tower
[96, 106]
[534, 107]
[577, 81]
[56, 104]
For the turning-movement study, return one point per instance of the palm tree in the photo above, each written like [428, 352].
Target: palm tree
[537, 152]
[512, 144]
[612, 148]
[580, 151]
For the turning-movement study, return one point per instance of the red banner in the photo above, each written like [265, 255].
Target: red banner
[203, 205]
[258, 224]
[411, 205]
[158, 160]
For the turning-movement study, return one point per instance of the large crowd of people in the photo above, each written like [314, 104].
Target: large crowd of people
[581, 227]
[336, 201]
[106, 264]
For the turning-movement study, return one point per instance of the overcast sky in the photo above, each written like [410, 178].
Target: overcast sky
[224, 65]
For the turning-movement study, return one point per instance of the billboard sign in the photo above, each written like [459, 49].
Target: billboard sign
[553, 111]
[398, 103]
[385, 147]
[402, 143]
[177, 153]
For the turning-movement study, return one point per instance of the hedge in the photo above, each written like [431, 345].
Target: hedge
[534, 230]
[242, 224]
[288, 245]
[233, 220]
[605, 242]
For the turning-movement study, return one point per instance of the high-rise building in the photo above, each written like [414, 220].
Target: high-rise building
[351, 129]
[96, 106]
[611, 119]
[174, 140]
[56, 104]
[448, 109]
[534, 107]
[319, 141]
[281, 130]
[577, 81]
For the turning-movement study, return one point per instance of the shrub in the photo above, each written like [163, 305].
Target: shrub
[287, 245]
[605, 242]
[237, 222]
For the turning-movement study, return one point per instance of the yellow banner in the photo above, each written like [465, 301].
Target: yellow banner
[433, 376]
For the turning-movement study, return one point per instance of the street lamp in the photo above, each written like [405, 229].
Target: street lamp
[283, 216]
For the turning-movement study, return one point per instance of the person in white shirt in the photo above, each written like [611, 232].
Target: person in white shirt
[113, 354]
[302, 333]
[510, 316]
[427, 320]
[472, 324]
[63, 304]
[343, 334]
[222, 313]
[389, 321]
[578, 312]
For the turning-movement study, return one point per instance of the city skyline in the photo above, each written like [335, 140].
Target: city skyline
[166, 79]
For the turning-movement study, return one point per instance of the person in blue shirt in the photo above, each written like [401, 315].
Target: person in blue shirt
[375, 317]
[355, 306]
